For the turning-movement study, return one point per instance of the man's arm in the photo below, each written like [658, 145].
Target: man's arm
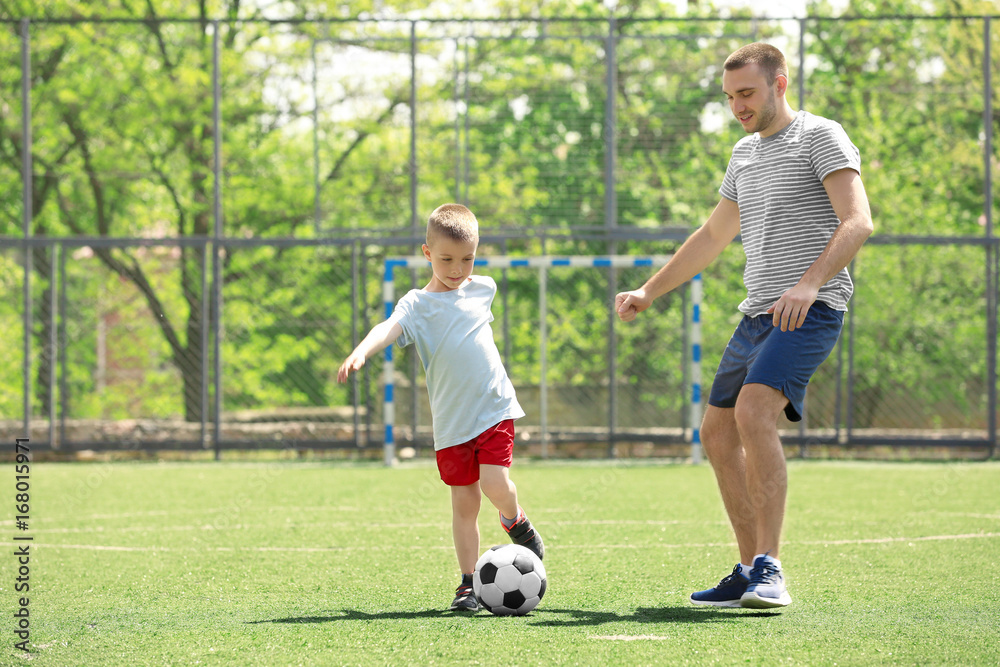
[850, 203]
[694, 255]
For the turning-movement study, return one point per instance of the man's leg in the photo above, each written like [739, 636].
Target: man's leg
[756, 417]
[757, 411]
[721, 441]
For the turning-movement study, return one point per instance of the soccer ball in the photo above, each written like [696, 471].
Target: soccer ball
[509, 580]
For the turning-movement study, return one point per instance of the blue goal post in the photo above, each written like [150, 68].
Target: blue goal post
[543, 264]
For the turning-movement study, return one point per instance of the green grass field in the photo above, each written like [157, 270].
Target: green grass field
[295, 563]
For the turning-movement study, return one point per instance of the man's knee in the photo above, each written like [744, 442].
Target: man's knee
[758, 407]
[718, 431]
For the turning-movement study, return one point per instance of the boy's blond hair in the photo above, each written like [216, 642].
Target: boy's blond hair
[453, 221]
[770, 60]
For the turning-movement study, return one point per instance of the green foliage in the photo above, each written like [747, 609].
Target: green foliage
[910, 95]
[284, 334]
[11, 337]
[513, 119]
[119, 364]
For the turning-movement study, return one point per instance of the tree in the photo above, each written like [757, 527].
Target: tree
[910, 94]
[124, 146]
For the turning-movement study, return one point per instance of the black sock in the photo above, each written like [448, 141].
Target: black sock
[466, 579]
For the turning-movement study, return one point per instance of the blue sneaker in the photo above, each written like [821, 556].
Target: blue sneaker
[728, 593]
[767, 586]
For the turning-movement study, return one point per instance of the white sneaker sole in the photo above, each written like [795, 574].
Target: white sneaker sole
[724, 603]
[751, 600]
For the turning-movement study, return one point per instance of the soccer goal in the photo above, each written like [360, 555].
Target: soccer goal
[545, 264]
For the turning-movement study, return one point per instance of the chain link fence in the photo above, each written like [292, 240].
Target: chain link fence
[195, 216]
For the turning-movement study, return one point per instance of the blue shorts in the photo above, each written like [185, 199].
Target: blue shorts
[761, 353]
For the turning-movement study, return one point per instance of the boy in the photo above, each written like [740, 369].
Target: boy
[472, 400]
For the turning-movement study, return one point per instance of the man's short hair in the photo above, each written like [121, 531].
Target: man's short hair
[453, 221]
[770, 60]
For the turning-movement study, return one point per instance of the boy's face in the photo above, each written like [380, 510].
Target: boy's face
[451, 262]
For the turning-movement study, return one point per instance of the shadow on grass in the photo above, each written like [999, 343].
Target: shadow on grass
[355, 615]
[657, 615]
[545, 616]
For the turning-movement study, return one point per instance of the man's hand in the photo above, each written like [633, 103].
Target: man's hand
[630, 304]
[791, 309]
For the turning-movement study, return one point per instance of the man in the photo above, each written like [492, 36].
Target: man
[793, 191]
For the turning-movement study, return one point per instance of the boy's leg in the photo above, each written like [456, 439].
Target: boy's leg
[465, 502]
[496, 485]
[502, 493]
[459, 471]
[495, 453]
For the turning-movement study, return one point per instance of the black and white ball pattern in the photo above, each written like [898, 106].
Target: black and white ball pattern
[509, 580]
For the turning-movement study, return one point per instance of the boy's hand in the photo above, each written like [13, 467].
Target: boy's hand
[354, 362]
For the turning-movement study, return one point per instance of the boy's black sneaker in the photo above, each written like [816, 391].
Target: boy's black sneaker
[523, 533]
[465, 599]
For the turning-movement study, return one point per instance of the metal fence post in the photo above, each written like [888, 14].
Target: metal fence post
[206, 318]
[217, 236]
[414, 216]
[26, 211]
[53, 342]
[465, 152]
[458, 127]
[611, 218]
[991, 248]
[366, 390]
[802, 63]
[610, 123]
[61, 348]
[851, 338]
[315, 136]
[413, 128]
[355, 385]
[543, 341]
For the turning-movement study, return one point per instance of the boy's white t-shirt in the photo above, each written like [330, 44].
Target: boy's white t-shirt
[467, 383]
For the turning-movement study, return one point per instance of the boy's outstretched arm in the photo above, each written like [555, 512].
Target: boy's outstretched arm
[380, 337]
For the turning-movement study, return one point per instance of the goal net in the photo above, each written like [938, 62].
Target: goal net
[568, 392]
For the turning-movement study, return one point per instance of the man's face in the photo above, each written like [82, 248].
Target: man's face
[751, 99]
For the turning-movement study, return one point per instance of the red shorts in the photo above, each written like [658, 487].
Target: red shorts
[459, 465]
